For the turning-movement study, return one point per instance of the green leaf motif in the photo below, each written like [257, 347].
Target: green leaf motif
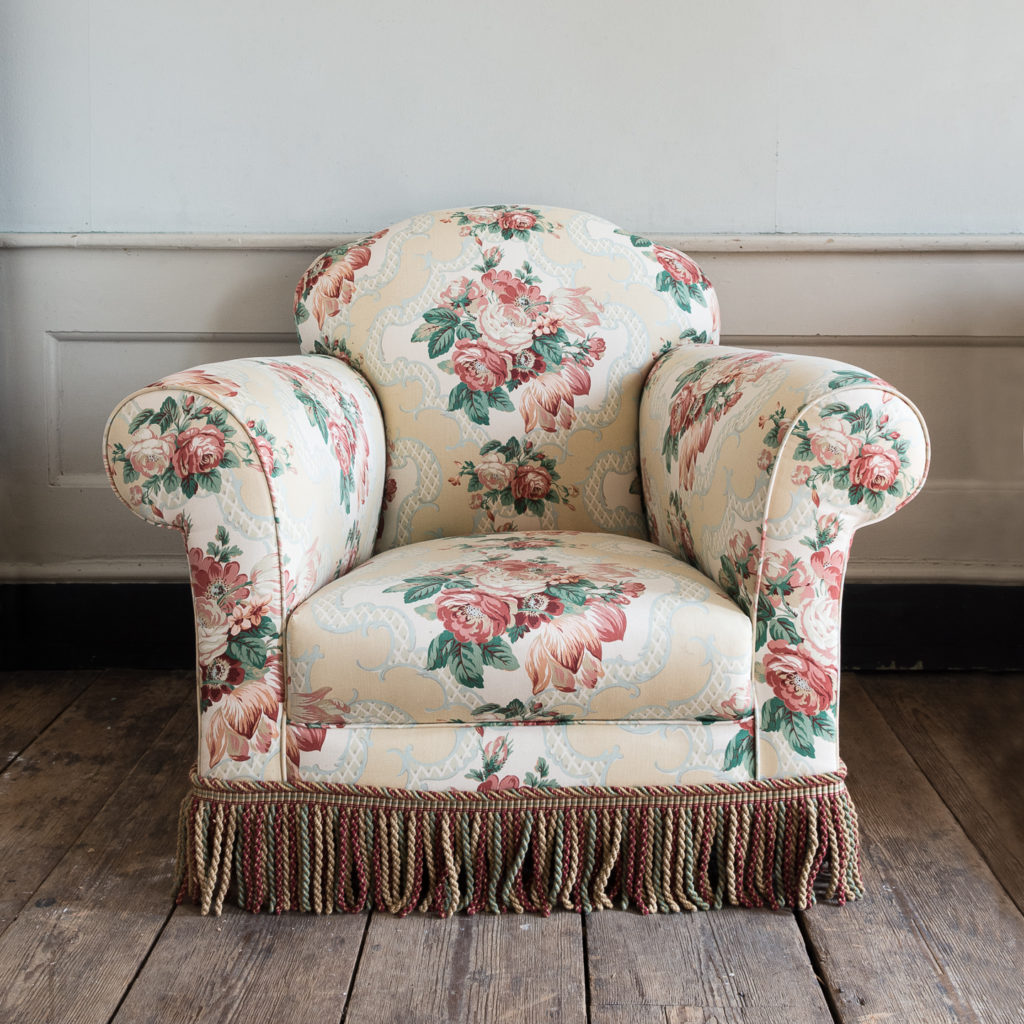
[548, 348]
[499, 399]
[316, 413]
[459, 396]
[740, 753]
[784, 629]
[422, 588]
[823, 724]
[569, 593]
[834, 409]
[248, 649]
[874, 500]
[140, 420]
[440, 649]
[466, 663]
[441, 342]
[794, 726]
[498, 653]
[478, 408]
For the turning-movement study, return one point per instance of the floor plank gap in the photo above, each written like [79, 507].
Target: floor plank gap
[143, 962]
[816, 966]
[355, 970]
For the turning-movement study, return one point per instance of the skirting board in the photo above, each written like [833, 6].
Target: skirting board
[934, 627]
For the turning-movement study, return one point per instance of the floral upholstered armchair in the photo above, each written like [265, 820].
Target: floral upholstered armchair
[514, 590]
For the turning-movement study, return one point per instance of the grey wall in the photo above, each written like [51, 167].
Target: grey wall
[898, 116]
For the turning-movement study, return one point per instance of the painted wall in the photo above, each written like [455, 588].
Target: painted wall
[664, 115]
[721, 127]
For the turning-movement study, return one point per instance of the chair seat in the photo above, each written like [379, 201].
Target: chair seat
[541, 626]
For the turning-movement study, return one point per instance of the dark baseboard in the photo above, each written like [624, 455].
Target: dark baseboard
[933, 627]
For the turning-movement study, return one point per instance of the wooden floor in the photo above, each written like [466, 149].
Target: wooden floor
[93, 765]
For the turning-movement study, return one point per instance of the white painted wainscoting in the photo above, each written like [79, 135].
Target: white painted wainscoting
[85, 319]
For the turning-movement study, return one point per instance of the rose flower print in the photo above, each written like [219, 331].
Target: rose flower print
[511, 342]
[491, 607]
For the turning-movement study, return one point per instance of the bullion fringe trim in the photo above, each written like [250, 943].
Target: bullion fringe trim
[322, 847]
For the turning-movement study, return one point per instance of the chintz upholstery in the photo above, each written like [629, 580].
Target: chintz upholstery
[515, 590]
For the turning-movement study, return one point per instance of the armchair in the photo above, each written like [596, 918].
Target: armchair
[514, 590]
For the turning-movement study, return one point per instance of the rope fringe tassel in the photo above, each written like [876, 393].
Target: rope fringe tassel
[322, 848]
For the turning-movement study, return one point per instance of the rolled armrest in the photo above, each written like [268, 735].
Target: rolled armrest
[273, 472]
[758, 468]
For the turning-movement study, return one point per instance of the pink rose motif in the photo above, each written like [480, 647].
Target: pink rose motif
[679, 266]
[212, 631]
[462, 290]
[150, 451]
[343, 441]
[474, 616]
[833, 444]
[482, 216]
[199, 450]
[803, 684]
[801, 475]
[830, 566]
[505, 328]
[531, 483]
[875, 468]
[493, 472]
[481, 368]
[516, 220]
[819, 625]
[265, 453]
[515, 578]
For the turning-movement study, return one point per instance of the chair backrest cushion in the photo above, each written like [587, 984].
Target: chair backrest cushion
[507, 346]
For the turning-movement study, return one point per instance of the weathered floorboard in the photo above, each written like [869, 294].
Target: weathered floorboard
[937, 939]
[245, 968]
[30, 701]
[964, 732]
[426, 970]
[55, 787]
[79, 942]
[723, 966]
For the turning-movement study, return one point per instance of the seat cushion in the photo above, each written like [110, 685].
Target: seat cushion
[542, 627]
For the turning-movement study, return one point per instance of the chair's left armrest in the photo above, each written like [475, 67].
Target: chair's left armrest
[758, 468]
[273, 472]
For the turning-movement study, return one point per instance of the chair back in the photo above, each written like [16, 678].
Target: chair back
[507, 346]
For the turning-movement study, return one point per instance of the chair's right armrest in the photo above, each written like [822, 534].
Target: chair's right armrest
[273, 472]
